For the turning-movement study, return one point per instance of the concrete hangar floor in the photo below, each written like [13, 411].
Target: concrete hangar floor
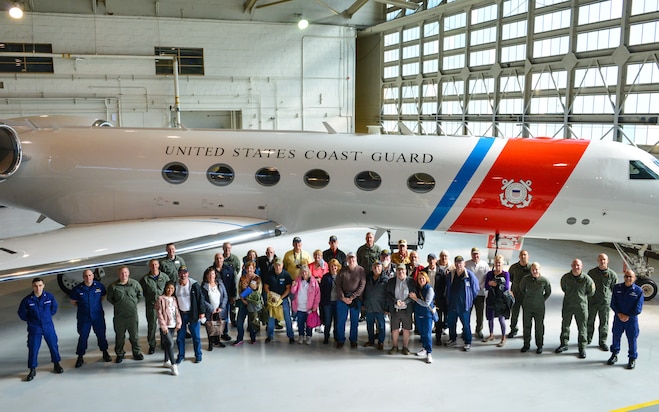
[279, 376]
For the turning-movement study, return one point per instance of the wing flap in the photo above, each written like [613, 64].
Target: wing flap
[79, 247]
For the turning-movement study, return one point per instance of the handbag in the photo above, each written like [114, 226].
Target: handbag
[214, 327]
[435, 315]
[313, 320]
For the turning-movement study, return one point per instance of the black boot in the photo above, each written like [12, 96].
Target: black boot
[210, 343]
[31, 375]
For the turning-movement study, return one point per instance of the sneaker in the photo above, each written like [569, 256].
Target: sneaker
[252, 341]
[466, 347]
[308, 341]
[405, 351]
[450, 343]
[393, 350]
[380, 346]
[301, 340]
[428, 358]
[174, 370]
[268, 339]
[237, 343]
[167, 364]
[422, 352]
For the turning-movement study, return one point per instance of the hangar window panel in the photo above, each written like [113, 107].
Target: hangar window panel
[393, 14]
[455, 42]
[409, 91]
[429, 89]
[430, 47]
[391, 72]
[644, 33]
[453, 62]
[505, 129]
[391, 39]
[545, 3]
[451, 108]
[511, 106]
[641, 134]
[483, 36]
[552, 21]
[267, 176]
[431, 29]
[545, 129]
[484, 14]
[480, 128]
[645, 73]
[411, 34]
[190, 60]
[478, 106]
[482, 57]
[429, 108]
[481, 86]
[513, 53]
[20, 64]
[368, 180]
[594, 77]
[391, 55]
[389, 109]
[390, 93]
[421, 183]
[641, 103]
[410, 52]
[590, 131]
[456, 21]
[602, 11]
[390, 126]
[429, 127]
[551, 47]
[545, 105]
[549, 81]
[598, 40]
[452, 128]
[592, 104]
[514, 30]
[644, 6]
[430, 66]
[434, 3]
[453, 88]
[513, 7]
[409, 108]
[509, 84]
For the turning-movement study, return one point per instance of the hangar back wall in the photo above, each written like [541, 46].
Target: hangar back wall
[273, 76]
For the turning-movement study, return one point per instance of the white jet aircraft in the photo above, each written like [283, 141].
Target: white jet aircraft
[122, 193]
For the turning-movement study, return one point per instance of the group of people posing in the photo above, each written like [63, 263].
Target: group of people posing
[321, 291]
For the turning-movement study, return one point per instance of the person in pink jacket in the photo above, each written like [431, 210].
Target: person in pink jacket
[169, 320]
[307, 299]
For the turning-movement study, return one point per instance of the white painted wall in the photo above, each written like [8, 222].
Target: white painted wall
[280, 77]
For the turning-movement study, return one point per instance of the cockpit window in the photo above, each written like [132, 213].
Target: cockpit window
[638, 170]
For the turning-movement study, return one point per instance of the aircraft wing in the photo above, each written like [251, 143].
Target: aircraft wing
[78, 247]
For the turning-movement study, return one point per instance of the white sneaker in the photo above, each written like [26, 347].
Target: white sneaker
[428, 358]
[174, 370]
[308, 340]
[167, 364]
[466, 347]
[301, 340]
[422, 352]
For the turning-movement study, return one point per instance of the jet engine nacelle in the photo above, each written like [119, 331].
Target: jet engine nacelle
[11, 153]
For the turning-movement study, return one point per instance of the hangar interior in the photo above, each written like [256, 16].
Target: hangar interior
[583, 69]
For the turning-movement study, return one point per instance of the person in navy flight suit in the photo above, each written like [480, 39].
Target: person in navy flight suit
[627, 304]
[88, 297]
[37, 309]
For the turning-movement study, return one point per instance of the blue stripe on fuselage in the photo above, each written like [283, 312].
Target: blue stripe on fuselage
[459, 183]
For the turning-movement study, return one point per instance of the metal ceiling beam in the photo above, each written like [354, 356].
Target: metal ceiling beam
[354, 7]
[249, 6]
[274, 3]
[400, 3]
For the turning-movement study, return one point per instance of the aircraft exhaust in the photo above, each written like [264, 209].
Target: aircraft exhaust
[11, 153]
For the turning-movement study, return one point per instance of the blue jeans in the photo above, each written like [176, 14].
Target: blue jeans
[193, 325]
[371, 318]
[302, 324]
[452, 320]
[240, 322]
[342, 311]
[424, 323]
[286, 306]
[328, 313]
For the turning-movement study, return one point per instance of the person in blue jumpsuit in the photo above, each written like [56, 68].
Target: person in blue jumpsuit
[37, 309]
[88, 297]
[627, 304]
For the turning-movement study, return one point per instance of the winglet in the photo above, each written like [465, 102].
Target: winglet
[329, 128]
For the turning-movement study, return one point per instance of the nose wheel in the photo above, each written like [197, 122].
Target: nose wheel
[639, 264]
[649, 288]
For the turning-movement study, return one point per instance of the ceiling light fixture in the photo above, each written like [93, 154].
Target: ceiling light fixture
[302, 23]
[16, 11]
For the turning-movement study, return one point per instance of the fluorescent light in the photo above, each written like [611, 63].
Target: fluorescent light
[16, 12]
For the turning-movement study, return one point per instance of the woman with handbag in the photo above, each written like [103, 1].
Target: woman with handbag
[215, 301]
[497, 284]
[424, 306]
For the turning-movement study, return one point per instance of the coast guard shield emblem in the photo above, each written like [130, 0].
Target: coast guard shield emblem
[515, 193]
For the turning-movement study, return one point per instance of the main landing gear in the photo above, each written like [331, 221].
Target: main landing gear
[639, 264]
[67, 281]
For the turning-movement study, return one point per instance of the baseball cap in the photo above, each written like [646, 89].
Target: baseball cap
[402, 242]
[333, 238]
[475, 250]
[183, 269]
[297, 239]
[432, 255]
[385, 252]
[459, 258]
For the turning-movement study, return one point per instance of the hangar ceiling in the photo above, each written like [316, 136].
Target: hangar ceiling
[354, 13]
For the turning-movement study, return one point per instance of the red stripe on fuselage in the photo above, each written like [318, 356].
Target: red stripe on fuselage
[544, 165]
